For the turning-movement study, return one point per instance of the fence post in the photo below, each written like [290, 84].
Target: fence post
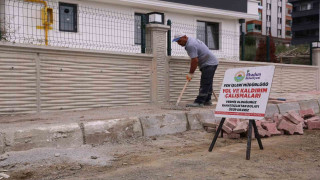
[268, 48]
[169, 38]
[143, 34]
[160, 76]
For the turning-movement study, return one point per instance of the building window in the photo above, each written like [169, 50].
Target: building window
[260, 16]
[268, 6]
[268, 30]
[268, 18]
[279, 32]
[288, 33]
[137, 28]
[279, 20]
[279, 9]
[67, 17]
[208, 32]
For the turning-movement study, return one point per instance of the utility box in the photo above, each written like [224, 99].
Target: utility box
[47, 16]
[67, 17]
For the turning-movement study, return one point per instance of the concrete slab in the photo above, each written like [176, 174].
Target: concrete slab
[207, 116]
[271, 110]
[98, 132]
[164, 124]
[313, 104]
[286, 107]
[193, 121]
[66, 135]
[2, 143]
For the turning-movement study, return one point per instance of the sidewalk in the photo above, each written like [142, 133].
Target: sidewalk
[96, 126]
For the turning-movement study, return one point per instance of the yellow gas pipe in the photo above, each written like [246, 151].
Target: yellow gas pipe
[46, 23]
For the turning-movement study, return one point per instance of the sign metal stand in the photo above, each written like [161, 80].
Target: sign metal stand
[252, 122]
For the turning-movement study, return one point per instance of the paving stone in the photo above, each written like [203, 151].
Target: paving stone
[99, 132]
[286, 107]
[271, 110]
[299, 129]
[315, 118]
[313, 104]
[271, 128]
[227, 129]
[313, 125]
[164, 124]
[241, 127]
[287, 126]
[231, 123]
[295, 117]
[307, 113]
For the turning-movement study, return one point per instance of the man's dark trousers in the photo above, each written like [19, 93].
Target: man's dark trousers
[205, 91]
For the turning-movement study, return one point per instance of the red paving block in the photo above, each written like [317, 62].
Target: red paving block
[307, 113]
[231, 123]
[271, 128]
[315, 118]
[313, 125]
[263, 133]
[233, 136]
[295, 117]
[287, 126]
[226, 129]
[241, 127]
[299, 129]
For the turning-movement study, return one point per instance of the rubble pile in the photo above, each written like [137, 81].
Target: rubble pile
[293, 122]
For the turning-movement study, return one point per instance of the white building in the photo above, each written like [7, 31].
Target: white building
[116, 25]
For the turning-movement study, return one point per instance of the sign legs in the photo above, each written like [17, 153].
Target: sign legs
[256, 133]
[217, 134]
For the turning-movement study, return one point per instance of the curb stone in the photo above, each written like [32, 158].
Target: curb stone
[285, 107]
[68, 135]
[270, 110]
[310, 104]
[193, 121]
[2, 143]
[98, 132]
[164, 124]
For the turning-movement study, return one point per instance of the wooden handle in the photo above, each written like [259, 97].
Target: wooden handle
[215, 96]
[184, 88]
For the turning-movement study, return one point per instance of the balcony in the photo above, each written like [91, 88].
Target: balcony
[314, 11]
[304, 26]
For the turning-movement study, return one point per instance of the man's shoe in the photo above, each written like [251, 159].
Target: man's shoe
[195, 105]
[208, 103]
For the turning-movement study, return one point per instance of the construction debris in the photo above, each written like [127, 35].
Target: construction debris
[290, 123]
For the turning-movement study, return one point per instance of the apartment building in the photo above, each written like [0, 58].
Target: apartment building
[275, 18]
[305, 25]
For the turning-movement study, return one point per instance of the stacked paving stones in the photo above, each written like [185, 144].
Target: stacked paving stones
[290, 123]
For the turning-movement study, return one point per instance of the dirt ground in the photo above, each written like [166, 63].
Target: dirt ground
[179, 156]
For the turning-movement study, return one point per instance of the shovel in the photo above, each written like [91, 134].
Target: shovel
[184, 88]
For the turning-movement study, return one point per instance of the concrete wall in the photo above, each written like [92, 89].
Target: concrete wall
[40, 79]
[287, 78]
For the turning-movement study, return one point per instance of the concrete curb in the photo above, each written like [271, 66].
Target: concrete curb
[113, 130]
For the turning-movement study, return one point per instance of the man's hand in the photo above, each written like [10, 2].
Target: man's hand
[189, 76]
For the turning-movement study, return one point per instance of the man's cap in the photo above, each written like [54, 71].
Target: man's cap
[178, 36]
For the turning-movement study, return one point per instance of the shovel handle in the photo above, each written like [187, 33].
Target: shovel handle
[184, 88]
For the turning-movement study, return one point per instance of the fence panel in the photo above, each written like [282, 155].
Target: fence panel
[71, 25]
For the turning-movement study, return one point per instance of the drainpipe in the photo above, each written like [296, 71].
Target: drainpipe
[46, 24]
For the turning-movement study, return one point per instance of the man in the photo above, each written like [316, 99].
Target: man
[200, 56]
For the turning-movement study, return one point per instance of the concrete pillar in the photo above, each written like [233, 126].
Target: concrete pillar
[160, 68]
[316, 62]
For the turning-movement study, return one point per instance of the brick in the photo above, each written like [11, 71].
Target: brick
[231, 123]
[233, 136]
[226, 129]
[315, 118]
[241, 127]
[307, 113]
[287, 126]
[271, 128]
[263, 133]
[313, 125]
[299, 129]
[295, 117]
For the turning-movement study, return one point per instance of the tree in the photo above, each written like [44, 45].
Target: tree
[261, 54]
